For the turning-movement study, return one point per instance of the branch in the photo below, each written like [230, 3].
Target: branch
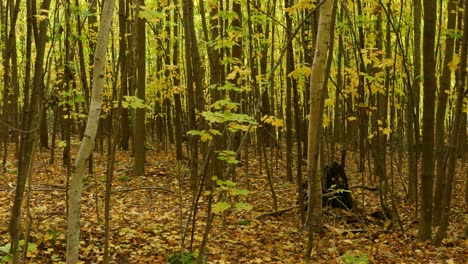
[142, 188]
[278, 212]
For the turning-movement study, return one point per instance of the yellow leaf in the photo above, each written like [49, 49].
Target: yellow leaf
[204, 137]
[41, 17]
[453, 65]
[325, 121]
[352, 118]
[328, 102]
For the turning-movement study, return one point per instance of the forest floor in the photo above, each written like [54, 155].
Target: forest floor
[149, 215]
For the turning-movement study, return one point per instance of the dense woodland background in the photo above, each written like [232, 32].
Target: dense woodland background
[185, 131]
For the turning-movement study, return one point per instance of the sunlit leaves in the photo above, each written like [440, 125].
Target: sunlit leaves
[272, 120]
[43, 15]
[151, 15]
[302, 71]
[134, 102]
[229, 187]
[225, 104]
[226, 116]
[300, 6]
[220, 207]
[228, 156]
[453, 65]
[205, 136]
[227, 86]
[244, 207]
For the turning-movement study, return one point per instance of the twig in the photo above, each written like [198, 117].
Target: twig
[38, 188]
[278, 212]
[373, 189]
[343, 231]
[142, 188]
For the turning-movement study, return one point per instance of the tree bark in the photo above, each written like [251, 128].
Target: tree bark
[454, 139]
[444, 85]
[315, 121]
[139, 129]
[427, 177]
[29, 127]
[412, 107]
[86, 147]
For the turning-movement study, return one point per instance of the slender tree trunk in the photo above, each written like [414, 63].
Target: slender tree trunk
[363, 119]
[140, 128]
[454, 138]
[427, 177]
[30, 122]
[315, 121]
[412, 106]
[86, 147]
[176, 82]
[290, 85]
[444, 86]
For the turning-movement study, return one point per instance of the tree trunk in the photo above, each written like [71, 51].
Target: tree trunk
[412, 106]
[176, 81]
[86, 147]
[444, 86]
[124, 122]
[427, 177]
[315, 121]
[454, 139]
[30, 122]
[290, 85]
[139, 129]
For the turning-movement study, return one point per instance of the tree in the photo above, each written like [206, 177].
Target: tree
[139, 130]
[427, 177]
[444, 86]
[86, 147]
[30, 123]
[315, 121]
[412, 107]
[454, 137]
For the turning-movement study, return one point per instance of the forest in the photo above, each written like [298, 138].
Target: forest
[233, 131]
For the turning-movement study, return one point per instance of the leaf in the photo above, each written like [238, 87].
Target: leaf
[6, 248]
[220, 207]
[194, 132]
[62, 144]
[244, 206]
[352, 118]
[205, 137]
[240, 192]
[453, 65]
[387, 131]
[32, 247]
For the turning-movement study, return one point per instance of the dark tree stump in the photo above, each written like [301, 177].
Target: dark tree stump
[335, 188]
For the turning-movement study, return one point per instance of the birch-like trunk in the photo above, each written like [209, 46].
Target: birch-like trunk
[315, 120]
[76, 181]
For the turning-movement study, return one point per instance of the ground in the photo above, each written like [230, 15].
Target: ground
[149, 216]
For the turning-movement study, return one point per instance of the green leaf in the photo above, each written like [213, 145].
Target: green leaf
[194, 133]
[79, 98]
[240, 192]
[32, 247]
[220, 207]
[6, 248]
[62, 144]
[230, 183]
[244, 206]
[243, 222]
